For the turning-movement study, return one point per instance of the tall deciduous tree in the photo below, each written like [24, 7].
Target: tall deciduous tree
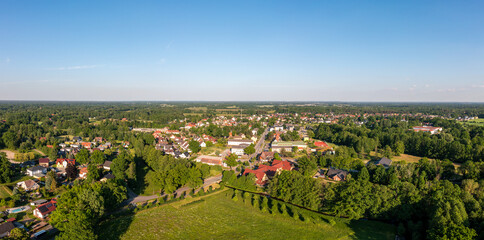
[51, 181]
[249, 149]
[71, 172]
[231, 160]
[82, 156]
[97, 157]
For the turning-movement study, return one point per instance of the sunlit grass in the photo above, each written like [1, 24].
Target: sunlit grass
[219, 217]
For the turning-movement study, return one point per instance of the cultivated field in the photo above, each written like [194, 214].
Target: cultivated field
[219, 217]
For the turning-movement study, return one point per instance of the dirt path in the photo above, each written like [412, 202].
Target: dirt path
[40, 152]
[10, 154]
[133, 198]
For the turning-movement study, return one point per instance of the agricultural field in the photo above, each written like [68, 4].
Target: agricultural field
[219, 217]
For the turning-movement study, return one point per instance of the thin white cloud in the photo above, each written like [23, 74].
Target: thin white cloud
[161, 61]
[168, 46]
[75, 67]
[7, 60]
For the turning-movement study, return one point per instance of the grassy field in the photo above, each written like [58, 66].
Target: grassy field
[478, 122]
[198, 109]
[218, 217]
[213, 150]
[5, 192]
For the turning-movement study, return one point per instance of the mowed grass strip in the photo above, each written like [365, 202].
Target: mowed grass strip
[219, 217]
[5, 192]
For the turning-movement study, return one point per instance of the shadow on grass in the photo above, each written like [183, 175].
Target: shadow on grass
[113, 229]
[373, 230]
[141, 171]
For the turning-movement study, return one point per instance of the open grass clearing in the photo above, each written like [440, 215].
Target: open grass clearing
[198, 109]
[219, 217]
[213, 150]
[192, 114]
[477, 122]
[5, 192]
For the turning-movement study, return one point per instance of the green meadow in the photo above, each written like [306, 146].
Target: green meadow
[217, 216]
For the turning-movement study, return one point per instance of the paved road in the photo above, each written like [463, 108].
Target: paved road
[259, 147]
[133, 198]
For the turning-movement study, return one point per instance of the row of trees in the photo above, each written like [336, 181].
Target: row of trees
[417, 196]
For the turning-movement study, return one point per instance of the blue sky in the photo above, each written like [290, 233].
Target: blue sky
[242, 50]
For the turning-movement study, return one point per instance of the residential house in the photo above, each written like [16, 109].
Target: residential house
[28, 185]
[42, 211]
[201, 141]
[107, 165]
[107, 177]
[107, 145]
[385, 162]
[63, 162]
[44, 162]
[37, 171]
[253, 139]
[173, 132]
[83, 172]
[278, 127]
[5, 229]
[38, 202]
[337, 174]
[255, 131]
[87, 145]
[266, 156]
[179, 154]
[290, 127]
[321, 144]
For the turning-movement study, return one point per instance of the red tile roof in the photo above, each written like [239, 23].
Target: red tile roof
[265, 170]
[61, 160]
[259, 174]
[285, 165]
[47, 207]
[320, 144]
